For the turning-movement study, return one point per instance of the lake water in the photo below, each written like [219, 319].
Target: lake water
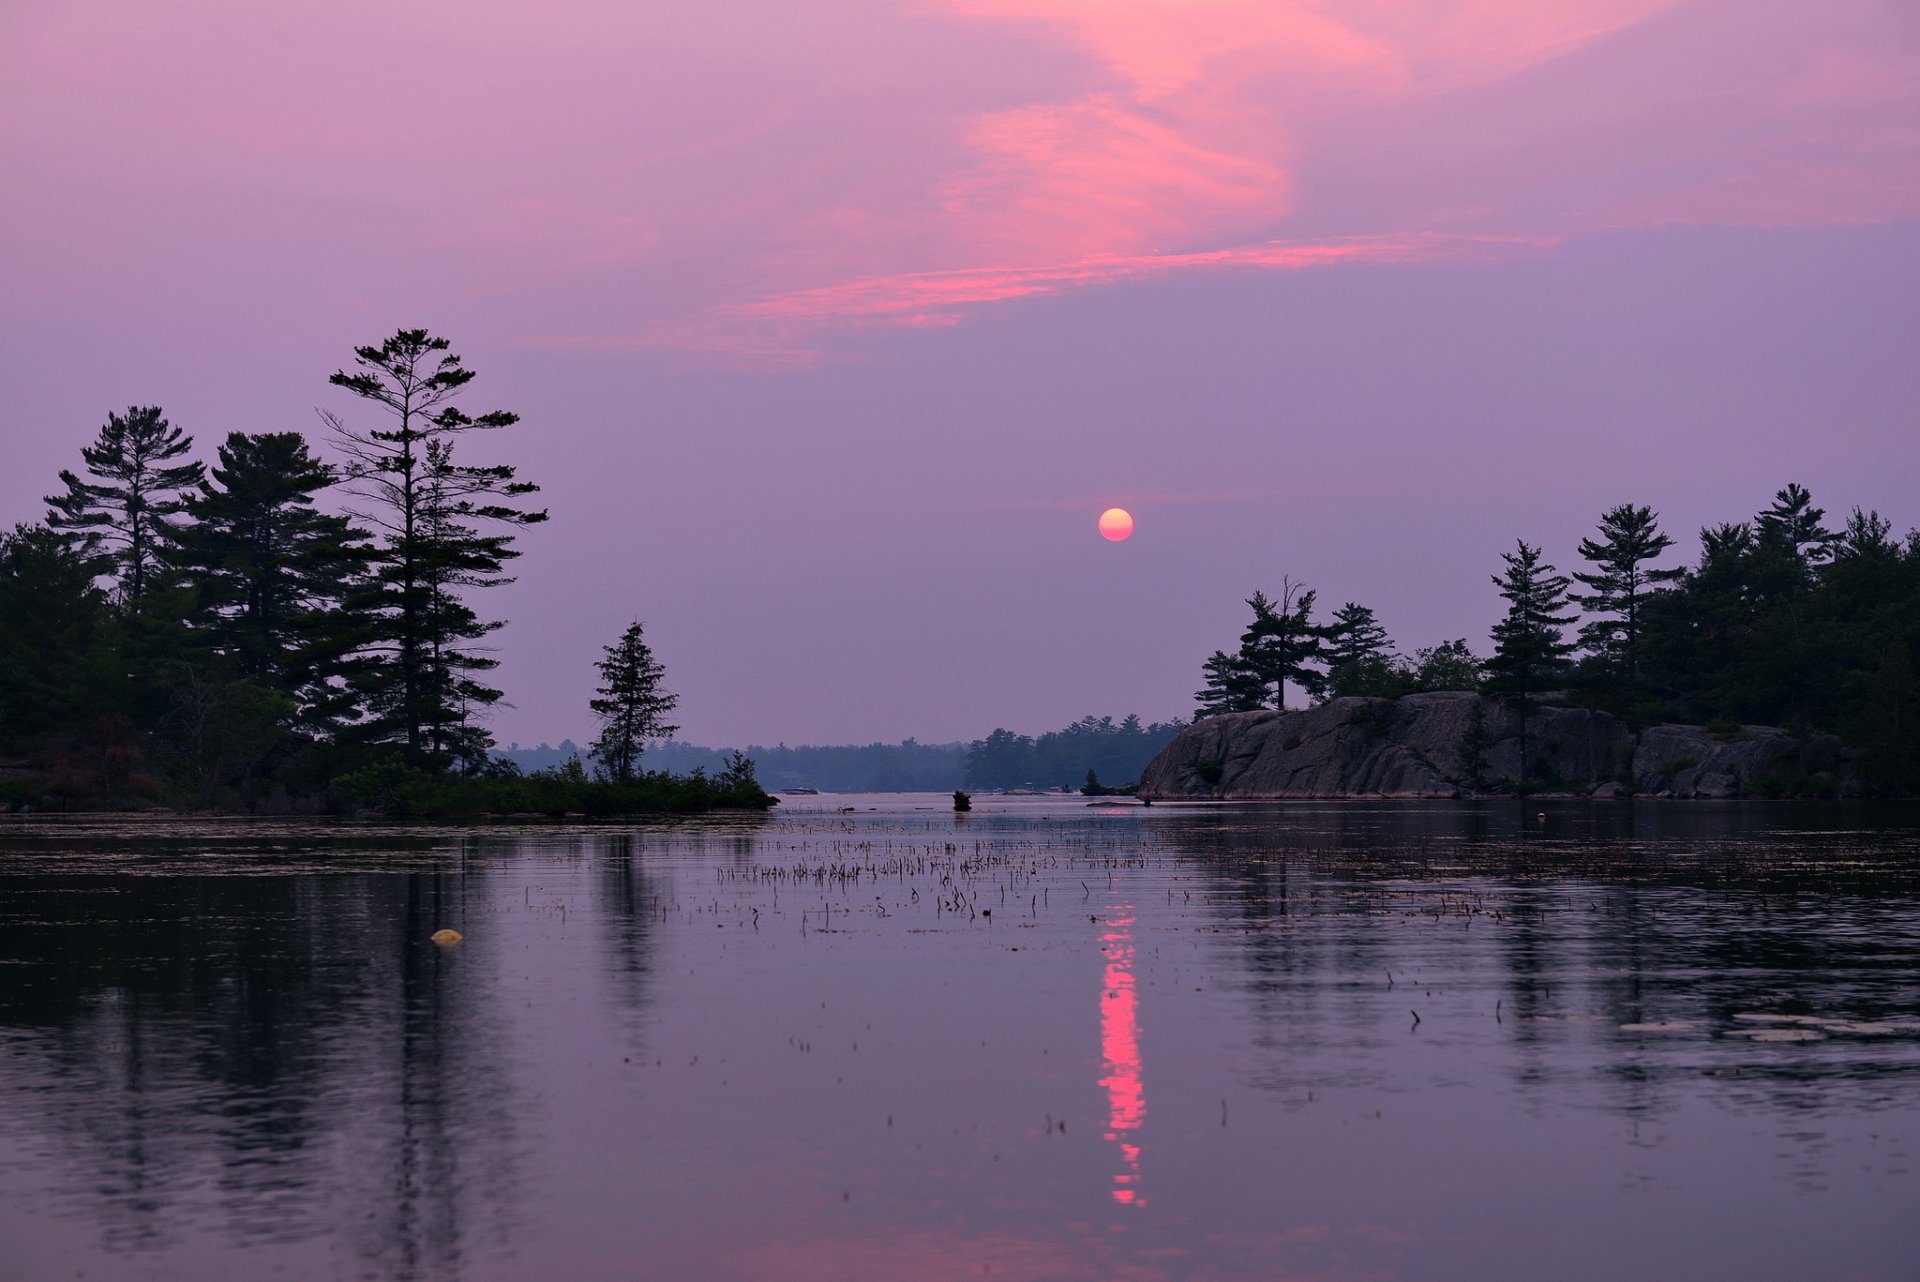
[1045, 1040]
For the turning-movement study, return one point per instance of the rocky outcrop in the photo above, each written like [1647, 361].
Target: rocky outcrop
[1452, 743]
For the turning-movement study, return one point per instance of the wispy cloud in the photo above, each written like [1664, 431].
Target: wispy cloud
[785, 329]
[1180, 136]
[939, 297]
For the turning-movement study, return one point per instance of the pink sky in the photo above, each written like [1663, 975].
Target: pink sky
[834, 326]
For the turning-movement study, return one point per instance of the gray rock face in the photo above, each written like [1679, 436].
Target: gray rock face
[1425, 745]
[1689, 762]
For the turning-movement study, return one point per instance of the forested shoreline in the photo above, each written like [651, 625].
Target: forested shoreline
[1115, 751]
[293, 627]
[283, 632]
[1778, 621]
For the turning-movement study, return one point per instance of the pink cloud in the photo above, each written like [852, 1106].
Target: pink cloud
[779, 331]
[914, 297]
[703, 182]
[1054, 183]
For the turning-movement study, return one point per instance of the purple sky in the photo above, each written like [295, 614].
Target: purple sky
[835, 325]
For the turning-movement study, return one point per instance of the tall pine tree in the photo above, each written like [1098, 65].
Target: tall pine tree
[121, 516]
[445, 528]
[1620, 583]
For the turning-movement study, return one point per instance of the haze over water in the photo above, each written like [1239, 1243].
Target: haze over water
[1044, 1041]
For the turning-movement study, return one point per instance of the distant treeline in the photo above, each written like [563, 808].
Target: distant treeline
[1116, 751]
[212, 635]
[873, 767]
[1779, 620]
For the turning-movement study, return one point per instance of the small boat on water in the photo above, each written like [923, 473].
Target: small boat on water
[801, 792]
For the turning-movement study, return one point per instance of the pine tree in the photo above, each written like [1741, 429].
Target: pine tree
[1620, 583]
[1792, 524]
[272, 576]
[1867, 536]
[1528, 647]
[1357, 653]
[430, 512]
[121, 517]
[1282, 643]
[1231, 687]
[631, 706]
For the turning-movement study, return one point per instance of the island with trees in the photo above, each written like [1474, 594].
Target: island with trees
[174, 634]
[1780, 663]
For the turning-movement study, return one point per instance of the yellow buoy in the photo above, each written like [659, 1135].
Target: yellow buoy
[445, 936]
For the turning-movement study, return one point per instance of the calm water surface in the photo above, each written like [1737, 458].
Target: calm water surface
[1043, 1041]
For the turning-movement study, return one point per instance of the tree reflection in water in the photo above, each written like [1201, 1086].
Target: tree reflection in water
[291, 1042]
[203, 1067]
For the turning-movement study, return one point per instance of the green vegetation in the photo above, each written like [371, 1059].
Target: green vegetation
[249, 649]
[1780, 621]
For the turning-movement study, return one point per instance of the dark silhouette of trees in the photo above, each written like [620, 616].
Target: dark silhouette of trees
[1451, 665]
[272, 576]
[1118, 751]
[51, 620]
[122, 515]
[1529, 649]
[1793, 524]
[631, 704]
[1619, 585]
[1358, 654]
[444, 528]
[1282, 643]
[1231, 686]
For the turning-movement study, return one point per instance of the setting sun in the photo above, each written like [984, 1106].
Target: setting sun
[1116, 523]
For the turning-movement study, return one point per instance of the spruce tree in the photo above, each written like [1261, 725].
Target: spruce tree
[271, 575]
[1282, 643]
[1528, 646]
[630, 704]
[444, 528]
[1621, 582]
[121, 517]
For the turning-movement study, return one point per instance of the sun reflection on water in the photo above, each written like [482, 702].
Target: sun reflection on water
[1120, 1046]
